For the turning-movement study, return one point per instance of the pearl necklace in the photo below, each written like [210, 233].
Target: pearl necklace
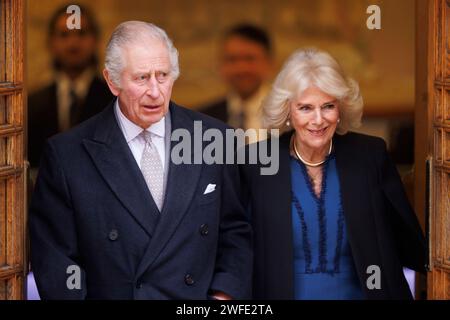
[311, 164]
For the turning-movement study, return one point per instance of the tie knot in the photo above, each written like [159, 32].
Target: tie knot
[147, 136]
[72, 91]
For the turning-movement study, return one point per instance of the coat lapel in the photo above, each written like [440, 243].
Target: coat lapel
[113, 158]
[281, 220]
[181, 185]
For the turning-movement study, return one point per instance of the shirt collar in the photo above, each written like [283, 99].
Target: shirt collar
[132, 130]
[80, 85]
[249, 106]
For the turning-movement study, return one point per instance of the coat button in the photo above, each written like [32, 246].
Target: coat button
[113, 235]
[138, 285]
[204, 230]
[188, 280]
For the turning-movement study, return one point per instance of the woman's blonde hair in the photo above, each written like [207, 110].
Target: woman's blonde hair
[306, 68]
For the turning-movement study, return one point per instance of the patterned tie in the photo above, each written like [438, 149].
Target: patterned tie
[152, 169]
[237, 120]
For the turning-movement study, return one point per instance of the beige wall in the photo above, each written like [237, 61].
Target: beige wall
[381, 60]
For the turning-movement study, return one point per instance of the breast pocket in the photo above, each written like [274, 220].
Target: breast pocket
[212, 194]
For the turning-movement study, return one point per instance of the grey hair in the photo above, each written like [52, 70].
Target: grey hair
[306, 68]
[131, 32]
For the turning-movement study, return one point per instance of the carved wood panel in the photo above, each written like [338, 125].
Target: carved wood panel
[12, 164]
[439, 104]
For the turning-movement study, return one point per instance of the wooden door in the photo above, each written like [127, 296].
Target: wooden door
[12, 137]
[439, 138]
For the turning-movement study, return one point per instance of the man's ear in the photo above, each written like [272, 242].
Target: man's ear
[114, 89]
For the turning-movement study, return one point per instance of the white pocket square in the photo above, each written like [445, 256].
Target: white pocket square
[210, 188]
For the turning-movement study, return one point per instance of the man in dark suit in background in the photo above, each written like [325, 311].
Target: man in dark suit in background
[76, 92]
[246, 61]
[113, 217]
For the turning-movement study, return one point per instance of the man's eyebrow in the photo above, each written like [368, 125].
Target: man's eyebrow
[139, 72]
[158, 70]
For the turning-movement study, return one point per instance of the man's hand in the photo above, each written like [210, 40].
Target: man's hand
[218, 295]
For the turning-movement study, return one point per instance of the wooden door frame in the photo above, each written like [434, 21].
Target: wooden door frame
[432, 73]
[12, 172]
[421, 116]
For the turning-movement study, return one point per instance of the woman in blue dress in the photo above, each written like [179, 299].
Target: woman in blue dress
[334, 221]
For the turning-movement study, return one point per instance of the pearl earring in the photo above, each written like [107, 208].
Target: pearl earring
[339, 120]
[288, 123]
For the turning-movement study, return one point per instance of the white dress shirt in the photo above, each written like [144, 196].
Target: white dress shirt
[251, 108]
[63, 86]
[136, 142]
